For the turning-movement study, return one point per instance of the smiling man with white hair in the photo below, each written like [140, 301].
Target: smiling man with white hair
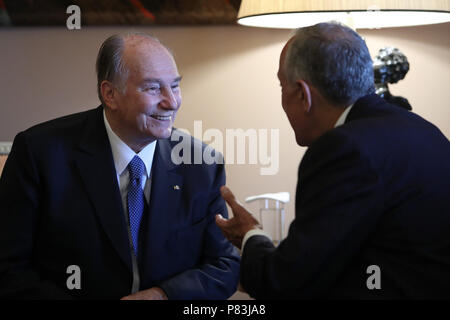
[92, 206]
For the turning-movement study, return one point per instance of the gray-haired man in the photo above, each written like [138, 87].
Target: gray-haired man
[372, 217]
[92, 206]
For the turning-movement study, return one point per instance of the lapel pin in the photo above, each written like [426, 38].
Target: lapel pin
[176, 187]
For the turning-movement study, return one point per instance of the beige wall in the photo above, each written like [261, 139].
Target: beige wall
[229, 81]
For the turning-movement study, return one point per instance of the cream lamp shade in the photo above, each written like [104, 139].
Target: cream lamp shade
[358, 14]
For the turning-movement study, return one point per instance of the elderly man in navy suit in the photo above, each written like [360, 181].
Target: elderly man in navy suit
[93, 207]
[372, 217]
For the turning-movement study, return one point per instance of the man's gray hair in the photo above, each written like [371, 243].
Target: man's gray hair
[110, 65]
[333, 58]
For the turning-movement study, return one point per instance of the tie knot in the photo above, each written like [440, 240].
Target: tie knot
[136, 167]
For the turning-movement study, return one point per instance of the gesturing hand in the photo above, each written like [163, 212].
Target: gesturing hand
[234, 229]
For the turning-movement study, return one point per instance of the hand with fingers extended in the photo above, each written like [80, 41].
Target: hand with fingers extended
[234, 229]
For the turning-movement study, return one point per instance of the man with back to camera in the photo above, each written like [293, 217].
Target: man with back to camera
[97, 192]
[372, 217]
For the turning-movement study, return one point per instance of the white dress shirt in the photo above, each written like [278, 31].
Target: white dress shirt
[254, 232]
[122, 155]
[343, 116]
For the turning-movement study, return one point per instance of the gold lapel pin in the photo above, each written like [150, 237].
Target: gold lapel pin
[176, 187]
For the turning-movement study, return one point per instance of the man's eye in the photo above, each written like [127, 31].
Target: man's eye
[152, 88]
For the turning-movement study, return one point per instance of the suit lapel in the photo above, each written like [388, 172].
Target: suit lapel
[96, 167]
[164, 204]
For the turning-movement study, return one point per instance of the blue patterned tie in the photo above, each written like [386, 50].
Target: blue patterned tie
[135, 198]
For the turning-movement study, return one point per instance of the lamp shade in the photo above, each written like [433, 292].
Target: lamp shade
[359, 14]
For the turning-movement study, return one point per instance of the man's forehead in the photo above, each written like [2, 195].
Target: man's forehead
[140, 46]
[139, 39]
[285, 49]
[146, 54]
[283, 57]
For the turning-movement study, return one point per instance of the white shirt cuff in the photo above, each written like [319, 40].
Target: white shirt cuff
[251, 233]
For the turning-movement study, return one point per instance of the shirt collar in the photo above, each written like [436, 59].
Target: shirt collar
[343, 116]
[122, 153]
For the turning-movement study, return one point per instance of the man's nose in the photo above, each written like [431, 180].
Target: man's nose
[169, 99]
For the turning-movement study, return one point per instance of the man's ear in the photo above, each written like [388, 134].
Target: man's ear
[305, 94]
[108, 92]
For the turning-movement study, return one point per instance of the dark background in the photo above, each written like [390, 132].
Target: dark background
[119, 12]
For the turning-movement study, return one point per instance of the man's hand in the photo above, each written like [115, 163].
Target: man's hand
[234, 229]
[154, 293]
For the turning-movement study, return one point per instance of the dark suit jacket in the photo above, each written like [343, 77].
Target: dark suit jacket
[60, 205]
[374, 191]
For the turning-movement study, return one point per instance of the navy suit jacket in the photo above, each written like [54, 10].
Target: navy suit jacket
[372, 192]
[60, 205]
